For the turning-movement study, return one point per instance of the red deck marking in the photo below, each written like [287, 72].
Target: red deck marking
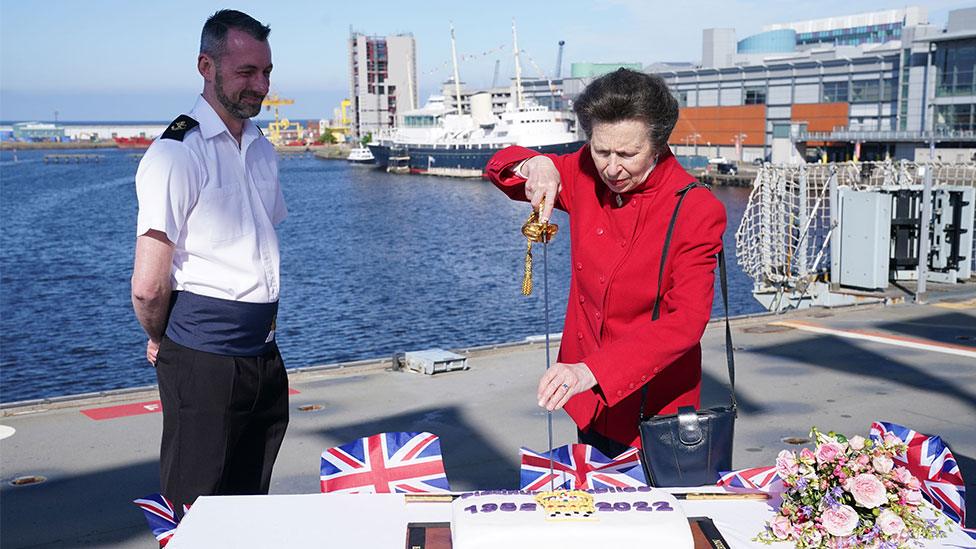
[124, 410]
[137, 409]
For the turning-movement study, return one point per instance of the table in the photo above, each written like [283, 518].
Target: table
[380, 521]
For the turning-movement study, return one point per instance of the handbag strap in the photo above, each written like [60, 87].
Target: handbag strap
[729, 357]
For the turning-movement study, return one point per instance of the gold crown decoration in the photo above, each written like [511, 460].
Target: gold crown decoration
[534, 231]
[566, 504]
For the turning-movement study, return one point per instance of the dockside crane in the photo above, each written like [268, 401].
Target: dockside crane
[559, 60]
[280, 125]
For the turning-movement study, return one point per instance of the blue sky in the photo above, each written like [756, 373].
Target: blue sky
[136, 60]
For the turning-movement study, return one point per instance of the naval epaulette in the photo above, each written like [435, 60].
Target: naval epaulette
[177, 129]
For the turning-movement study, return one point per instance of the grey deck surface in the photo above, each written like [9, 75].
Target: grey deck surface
[787, 381]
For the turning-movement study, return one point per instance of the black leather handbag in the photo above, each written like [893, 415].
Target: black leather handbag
[691, 447]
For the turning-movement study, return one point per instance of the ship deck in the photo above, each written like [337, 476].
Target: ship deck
[836, 369]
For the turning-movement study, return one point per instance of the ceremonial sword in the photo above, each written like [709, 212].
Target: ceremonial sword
[536, 231]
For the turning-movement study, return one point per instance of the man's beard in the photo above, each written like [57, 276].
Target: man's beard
[239, 109]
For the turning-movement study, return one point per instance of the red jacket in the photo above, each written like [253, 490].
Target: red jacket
[615, 254]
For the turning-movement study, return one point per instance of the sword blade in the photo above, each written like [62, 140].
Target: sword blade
[545, 294]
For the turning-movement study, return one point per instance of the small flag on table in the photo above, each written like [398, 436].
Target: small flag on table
[931, 461]
[763, 479]
[580, 466]
[385, 463]
[160, 516]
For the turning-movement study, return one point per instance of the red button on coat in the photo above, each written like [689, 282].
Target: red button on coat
[599, 231]
[579, 266]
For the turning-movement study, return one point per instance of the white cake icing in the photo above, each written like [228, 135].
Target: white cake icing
[515, 519]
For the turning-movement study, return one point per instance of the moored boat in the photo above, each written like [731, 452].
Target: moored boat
[433, 141]
[438, 139]
[133, 142]
[360, 155]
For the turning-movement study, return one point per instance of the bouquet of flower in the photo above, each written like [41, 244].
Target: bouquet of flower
[849, 493]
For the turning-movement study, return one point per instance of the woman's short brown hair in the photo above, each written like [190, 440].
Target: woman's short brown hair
[627, 95]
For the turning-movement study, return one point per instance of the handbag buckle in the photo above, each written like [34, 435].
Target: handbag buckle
[689, 431]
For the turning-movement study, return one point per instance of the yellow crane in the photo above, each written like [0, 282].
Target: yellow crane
[280, 125]
[340, 121]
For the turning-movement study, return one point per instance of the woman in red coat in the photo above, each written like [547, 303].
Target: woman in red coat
[620, 191]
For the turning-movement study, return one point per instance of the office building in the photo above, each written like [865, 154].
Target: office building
[871, 86]
[383, 80]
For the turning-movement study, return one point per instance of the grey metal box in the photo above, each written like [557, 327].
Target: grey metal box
[865, 237]
[433, 361]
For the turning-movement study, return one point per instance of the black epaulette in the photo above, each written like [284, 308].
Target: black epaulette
[177, 129]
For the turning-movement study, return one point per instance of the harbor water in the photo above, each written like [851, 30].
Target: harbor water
[372, 264]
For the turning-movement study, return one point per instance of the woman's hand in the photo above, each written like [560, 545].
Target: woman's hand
[562, 382]
[542, 184]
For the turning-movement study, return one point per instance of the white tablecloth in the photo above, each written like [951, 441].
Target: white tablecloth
[380, 520]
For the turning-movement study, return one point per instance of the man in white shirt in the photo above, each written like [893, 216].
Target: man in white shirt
[205, 281]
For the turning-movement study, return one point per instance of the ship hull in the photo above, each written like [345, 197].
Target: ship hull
[454, 162]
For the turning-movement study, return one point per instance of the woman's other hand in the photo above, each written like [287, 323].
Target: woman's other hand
[542, 184]
[562, 382]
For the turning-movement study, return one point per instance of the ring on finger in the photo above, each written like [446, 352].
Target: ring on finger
[566, 386]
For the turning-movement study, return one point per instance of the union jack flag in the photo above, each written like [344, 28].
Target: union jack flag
[764, 479]
[580, 466]
[932, 463]
[160, 516]
[385, 463]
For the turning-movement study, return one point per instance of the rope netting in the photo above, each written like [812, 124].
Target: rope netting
[783, 240]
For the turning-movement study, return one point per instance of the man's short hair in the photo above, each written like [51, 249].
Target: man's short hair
[213, 39]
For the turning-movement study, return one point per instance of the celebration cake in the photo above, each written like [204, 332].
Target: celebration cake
[569, 519]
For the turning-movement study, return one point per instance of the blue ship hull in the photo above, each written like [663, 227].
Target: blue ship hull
[460, 161]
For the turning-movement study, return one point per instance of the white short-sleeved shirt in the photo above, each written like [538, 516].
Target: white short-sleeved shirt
[218, 204]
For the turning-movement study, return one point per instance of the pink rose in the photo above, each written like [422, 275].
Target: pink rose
[868, 491]
[840, 521]
[807, 456]
[786, 464]
[882, 464]
[889, 522]
[828, 451]
[913, 497]
[903, 475]
[856, 442]
[781, 526]
[863, 460]
[913, 483]
[891, 439]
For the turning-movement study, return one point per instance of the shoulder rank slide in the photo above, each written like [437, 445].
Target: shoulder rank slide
[177, 129]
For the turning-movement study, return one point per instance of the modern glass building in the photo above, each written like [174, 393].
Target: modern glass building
[774, 41]
[835, 101]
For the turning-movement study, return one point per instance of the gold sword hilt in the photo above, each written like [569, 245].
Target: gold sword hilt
[534, 231]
